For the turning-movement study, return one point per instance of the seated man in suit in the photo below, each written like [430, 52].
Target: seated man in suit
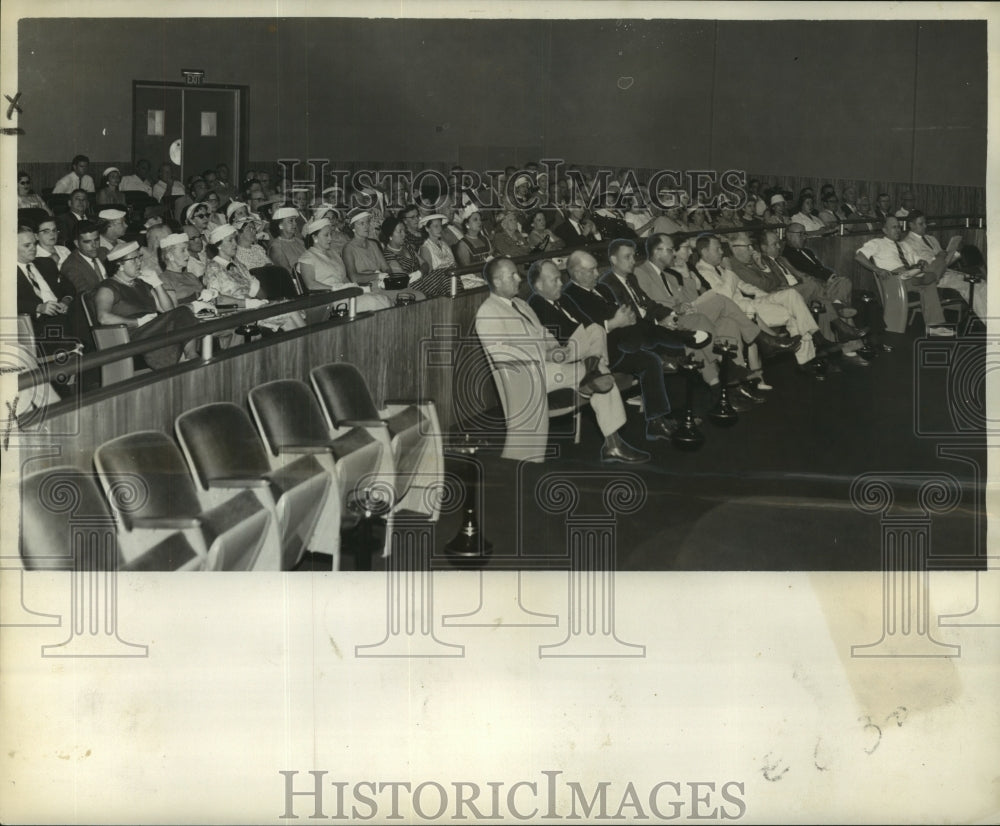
[79, 207]
[578, 229]
[75, 179]
[84, 268]
[564, 319]
[709, 311]
[42, 293]
[773, 309]
[886, 258]
[503, 319]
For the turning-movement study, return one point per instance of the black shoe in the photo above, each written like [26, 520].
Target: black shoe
[745, 392]
[695, 339]
[671, 364]
[740, 404]
[857, 360]
[845, 332]
[616, 449]
[594, 381]
[823, 344]
[770, 346]
[679, 416]
[660, 428]
[813, 369]
[737, 375]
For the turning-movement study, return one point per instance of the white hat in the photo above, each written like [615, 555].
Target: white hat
[123, 250]
[174, 240]
[104, 174]
[358, 216]
[233, 206]
[315, 225]
[220, 233]
[156, 220]
[428, 218]
[282, 213]
[323, 209]
[777, 199]
[192, 208]
[111, 214]
[522, 179]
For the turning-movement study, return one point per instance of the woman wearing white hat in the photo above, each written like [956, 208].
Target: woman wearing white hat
[235, 283]
[322, 269]
[286, 246]
[776, 212]
[108, 193]
[248, 251]
[435, 252]
[362, 256]
[138, 300]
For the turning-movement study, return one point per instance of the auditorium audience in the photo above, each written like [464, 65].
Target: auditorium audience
[42, 293]
[139, 180]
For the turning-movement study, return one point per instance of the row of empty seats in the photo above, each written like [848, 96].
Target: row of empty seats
[243, 490]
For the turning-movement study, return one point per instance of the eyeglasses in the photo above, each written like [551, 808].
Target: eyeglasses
[199, 214]
[131, 258]
[739, 245]
[24, 183]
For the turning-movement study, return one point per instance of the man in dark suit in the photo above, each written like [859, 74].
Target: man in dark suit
[79, 207]
[85, 268]
[578, 229]
[566, 321]
[42, 294]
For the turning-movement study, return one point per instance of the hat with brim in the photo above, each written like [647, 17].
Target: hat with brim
[221, 233]
[315, 225]
[173, 240]
[434, 216]
[284, 212]
[123, 250]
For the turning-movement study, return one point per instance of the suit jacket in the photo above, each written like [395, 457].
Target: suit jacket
[27, 301]
[80, 273]
[805, 260]
[600, 305]
[561, 325]
[654, 311]
[65, 224]
[766, 280]
[571, 238]
[662, 286]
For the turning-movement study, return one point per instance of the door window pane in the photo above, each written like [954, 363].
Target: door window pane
[154, 121]
[208, 124]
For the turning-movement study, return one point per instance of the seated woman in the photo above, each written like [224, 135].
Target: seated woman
[249, 252]
[509, 240]
[108, 193]
[475, 246]
[215, 219]
[363, 260]
[143, 306]
[26, 197]
[698, 219]
[46, 246]
[541, 238]
[286, 246]
[338, 237]
[183, 287]
[804, 215]
[320, 267]
[234, 282]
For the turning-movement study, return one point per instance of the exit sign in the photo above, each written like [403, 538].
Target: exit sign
[193, 77]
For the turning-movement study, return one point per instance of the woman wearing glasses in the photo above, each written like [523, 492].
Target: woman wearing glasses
[26, 198]
[138, 300]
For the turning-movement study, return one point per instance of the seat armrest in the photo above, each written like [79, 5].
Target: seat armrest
[305, 448]
[238, 482]
[177, 523]
[361, 423]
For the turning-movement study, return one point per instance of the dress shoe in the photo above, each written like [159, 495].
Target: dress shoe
[594, 381]
[813, 369]
[844, 311]
[739, 404]
[770, 346]
[671, 364]
[885, 348]
[823, 344]
[745, 392]
[856, 359]
[616, 449]
[679, 416]
[660, 428]
[845, 332]
[737, 375]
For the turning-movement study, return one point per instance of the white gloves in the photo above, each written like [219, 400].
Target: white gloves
[208, 295]
[254, 303]
[150, 278]
[145, 319]
[416, 275]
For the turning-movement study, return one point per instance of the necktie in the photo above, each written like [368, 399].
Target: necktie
[96, 264]
[791, 279]
[848, 212]
[39, 285]
[632, 287]
[562, 307]
[928, 243]
[666, 284]
[902, 257]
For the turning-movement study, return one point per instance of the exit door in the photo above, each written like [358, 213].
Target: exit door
[209, 121]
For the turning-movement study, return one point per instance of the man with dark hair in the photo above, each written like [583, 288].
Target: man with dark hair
[85, 266]
[75, 179]
[578, 229]
[511, 332]
[79, 207]
[883, 206]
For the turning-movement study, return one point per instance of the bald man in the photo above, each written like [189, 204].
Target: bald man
[511, 332]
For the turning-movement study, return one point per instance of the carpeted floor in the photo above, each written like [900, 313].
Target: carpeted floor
[772, 492]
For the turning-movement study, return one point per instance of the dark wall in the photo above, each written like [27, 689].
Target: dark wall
[894, 101]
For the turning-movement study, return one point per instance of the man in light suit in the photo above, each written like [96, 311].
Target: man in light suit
[511, 332]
